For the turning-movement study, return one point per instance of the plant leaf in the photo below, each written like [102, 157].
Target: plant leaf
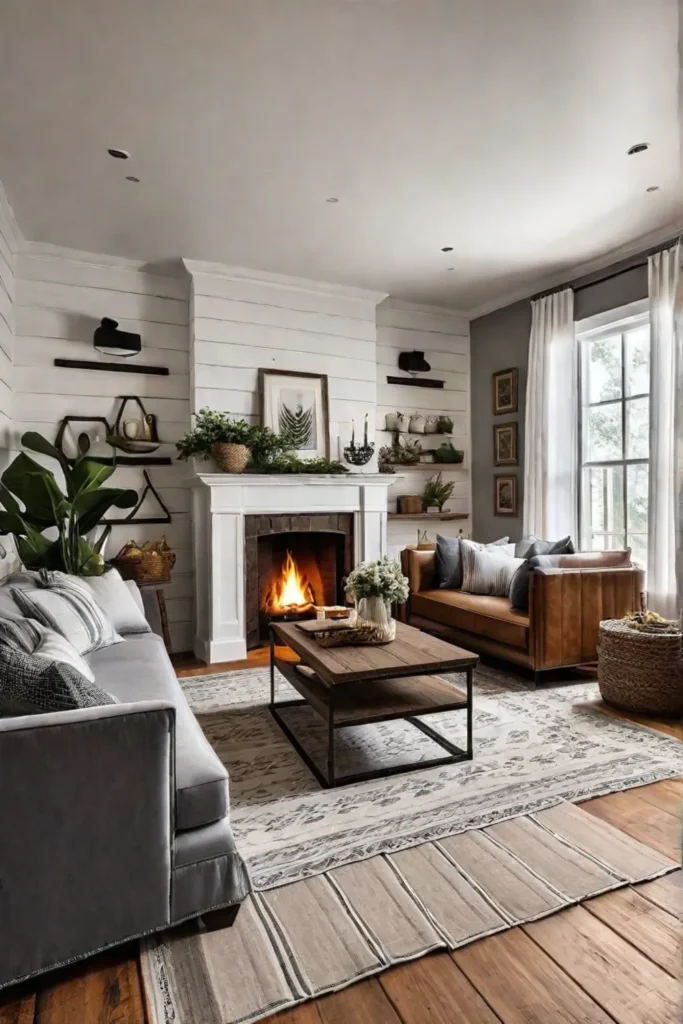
[90, 506]
[36, 487]
[8, 500]
[88, 475]
[35, 442]
[297, 425]
[33, 548]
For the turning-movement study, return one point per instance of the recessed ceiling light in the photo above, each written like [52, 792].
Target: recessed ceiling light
[119, 154]
[450, 268]
[332, 199]
[652, 188]
[447, 248]
[639, 147]
[131, 177]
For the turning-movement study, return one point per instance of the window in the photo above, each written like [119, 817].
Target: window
[614, 374]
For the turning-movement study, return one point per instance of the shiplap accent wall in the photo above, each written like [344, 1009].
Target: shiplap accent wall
[9, 244]
[241, 322]
[443, 336]
[60, 299]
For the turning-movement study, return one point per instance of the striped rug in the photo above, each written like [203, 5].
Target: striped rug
[299, 941]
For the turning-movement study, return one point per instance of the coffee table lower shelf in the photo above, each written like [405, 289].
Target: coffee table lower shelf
[364, 703]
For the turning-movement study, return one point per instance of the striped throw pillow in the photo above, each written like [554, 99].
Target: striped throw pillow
[487, 571]
[69, 608]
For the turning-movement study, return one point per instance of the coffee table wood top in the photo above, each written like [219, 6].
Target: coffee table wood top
[411, 653]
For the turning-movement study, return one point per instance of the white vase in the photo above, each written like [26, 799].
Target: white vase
[392, 421]
[417, 424]
[375, 611]
[403, 423]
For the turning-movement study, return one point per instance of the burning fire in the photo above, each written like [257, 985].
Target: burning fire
[291, 592]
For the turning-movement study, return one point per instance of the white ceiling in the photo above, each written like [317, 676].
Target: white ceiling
[499, 127]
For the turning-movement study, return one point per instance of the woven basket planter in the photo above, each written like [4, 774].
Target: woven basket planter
[231, 458]
[638, 671]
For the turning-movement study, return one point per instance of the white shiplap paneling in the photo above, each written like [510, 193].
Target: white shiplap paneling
[8, 248]
[59, 302]
[242, 324]
[443, 336]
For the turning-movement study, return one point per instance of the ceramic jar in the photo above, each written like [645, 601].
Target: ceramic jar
[402, 423]
[417, 423]
[431, 425]
[391, 421]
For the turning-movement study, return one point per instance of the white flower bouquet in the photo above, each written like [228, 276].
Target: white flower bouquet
[382, 578]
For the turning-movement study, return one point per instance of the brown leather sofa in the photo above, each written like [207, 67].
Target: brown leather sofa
[566, 606]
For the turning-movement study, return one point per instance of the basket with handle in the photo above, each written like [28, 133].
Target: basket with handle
[150, 562]
[229, 457]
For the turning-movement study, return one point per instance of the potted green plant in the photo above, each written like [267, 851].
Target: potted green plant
[447, 452]
[436, 492]
[35, 504]
[375, 586]
[229, 441]
[445, 425]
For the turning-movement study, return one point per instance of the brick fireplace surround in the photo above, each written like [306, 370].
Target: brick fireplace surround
[227, 513]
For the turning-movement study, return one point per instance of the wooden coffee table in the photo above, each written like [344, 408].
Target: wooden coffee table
[366, 684]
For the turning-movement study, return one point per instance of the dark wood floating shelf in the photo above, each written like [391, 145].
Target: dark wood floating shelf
[429, 465]
[416, 382]
[91, 364]
[133, 460]
[438, 516]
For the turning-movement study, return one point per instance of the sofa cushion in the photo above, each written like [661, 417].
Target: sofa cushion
[491, 617]
[448, 560]
[519, 588]
[489, 571]
[65, 604]
[31, 684]
[140, 669]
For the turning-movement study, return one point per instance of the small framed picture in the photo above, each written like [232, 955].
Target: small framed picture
[505, 438]
[505, 495]
[505, 392]
[297, 404]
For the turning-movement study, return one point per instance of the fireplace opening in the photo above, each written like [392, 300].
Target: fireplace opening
[296, 572]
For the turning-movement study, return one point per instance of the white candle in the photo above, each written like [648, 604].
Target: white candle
[365, 435]
[353, 431]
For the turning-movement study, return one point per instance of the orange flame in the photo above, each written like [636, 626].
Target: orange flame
[291, 592]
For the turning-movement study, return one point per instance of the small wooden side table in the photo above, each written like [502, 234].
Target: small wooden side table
[157, 589]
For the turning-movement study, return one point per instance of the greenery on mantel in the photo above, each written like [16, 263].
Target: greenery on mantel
[270, 452]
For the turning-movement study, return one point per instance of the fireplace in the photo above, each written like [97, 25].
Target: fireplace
[294, 563]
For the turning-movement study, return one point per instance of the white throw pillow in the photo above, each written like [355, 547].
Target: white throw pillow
[23, 580]
[68, 607]
[487, 571]
[32, 637]
[117, 599]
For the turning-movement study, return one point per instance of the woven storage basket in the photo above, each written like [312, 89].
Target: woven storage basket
[231, 458]
[410, 504]
[148, 564]
[639, 671]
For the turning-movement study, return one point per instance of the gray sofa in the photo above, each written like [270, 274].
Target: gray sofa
[113, 820]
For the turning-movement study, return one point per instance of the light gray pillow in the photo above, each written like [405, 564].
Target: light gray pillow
[68, 607]
[115, 597]
[31, 637]
[30, 684]
[486, 570]
[448, 560]
[23, 580]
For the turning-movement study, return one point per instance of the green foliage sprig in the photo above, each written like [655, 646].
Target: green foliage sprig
[382, 578]
[291, 463]
[436, 492]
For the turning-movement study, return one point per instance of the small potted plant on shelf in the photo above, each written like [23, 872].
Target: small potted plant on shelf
[447, 452]
[375, 586]
[436, 493]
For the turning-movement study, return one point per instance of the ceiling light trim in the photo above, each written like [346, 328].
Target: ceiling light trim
[285, 281]
[575, 272]
[419, 307]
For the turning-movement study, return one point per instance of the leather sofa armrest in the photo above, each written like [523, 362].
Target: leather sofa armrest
[86, 827]
[419, 567]
[566, 607]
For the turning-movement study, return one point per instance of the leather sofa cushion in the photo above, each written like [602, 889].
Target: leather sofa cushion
[488, 616]
[140, 669]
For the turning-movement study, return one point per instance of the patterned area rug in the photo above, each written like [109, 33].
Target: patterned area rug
[532, 749]
[350, 881]
[299, 941]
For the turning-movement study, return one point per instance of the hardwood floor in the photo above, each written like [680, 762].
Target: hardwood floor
[616, 959]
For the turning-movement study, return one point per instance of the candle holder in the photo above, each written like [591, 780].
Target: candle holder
[359, 454]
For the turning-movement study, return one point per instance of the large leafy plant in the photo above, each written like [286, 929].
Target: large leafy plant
[34, 505]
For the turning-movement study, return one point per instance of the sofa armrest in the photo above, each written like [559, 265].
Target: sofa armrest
[419, 567]
[566, 607]
[86, 824]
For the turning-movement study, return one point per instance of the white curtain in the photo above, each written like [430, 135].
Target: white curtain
[551, 424]
[666, 440]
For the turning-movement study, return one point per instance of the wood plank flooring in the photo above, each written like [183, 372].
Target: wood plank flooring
[616, 959]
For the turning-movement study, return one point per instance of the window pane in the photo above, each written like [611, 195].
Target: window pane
[605, 501]
[638, 361]
[636, 499]
[638, 428]
[638, 544]
[602, 368]
[603, 440]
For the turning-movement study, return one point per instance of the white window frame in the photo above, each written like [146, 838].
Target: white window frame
[604, 325]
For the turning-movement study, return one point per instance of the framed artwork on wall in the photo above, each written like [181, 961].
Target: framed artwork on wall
[505, 444]
[505, 392]
[505, 495]
[297, 403]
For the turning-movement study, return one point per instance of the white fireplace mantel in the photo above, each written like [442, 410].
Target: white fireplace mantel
[220, 503]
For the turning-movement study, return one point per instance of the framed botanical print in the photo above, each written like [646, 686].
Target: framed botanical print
[505, 444]
[505, 495]
[505, 392]
[297, 404]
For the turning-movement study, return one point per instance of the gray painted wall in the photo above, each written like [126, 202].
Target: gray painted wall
[500, 340]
